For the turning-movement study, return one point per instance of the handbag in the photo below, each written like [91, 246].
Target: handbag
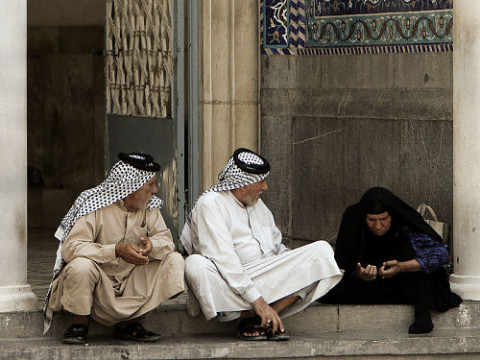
[441, 228]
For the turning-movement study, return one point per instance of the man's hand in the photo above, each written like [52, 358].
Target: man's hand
[367, 273]
[146, 245]
[131, 253]
[269, 316]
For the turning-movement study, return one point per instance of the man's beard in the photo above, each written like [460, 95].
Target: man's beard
[252, 200]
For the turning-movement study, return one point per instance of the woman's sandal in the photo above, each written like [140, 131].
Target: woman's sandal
[248, 325]
[76, 334]
[135, 331]
[277, 335]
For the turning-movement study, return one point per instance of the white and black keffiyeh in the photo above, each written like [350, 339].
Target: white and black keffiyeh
[243, 168]
[122, 180]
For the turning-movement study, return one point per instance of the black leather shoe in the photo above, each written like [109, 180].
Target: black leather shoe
[76, 334]
[135, 331]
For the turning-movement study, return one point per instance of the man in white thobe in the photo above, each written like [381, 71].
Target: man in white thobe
[237, 261]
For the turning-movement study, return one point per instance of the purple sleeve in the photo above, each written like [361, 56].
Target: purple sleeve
[431, 254]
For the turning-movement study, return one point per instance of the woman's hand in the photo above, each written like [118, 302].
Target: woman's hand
[368, 273]
[394, 267]
[390, 268]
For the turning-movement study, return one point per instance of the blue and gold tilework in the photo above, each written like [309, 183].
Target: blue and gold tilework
[300, 27]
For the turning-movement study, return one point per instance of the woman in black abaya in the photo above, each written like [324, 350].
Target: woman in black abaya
[391, 255]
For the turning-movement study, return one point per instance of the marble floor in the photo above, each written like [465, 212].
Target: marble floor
[42, 247]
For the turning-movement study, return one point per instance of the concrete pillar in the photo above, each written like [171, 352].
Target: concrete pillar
[15, 294]
[466, 150]
[229, 98]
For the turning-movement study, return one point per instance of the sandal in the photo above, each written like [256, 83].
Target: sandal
[76, 334]
[248, 325]
[277, 335]
[135, 331]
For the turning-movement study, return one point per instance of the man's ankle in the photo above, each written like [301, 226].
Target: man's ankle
[246, 314]
[80, 319]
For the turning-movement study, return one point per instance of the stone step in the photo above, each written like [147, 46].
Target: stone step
[338, 345]
[171, 319]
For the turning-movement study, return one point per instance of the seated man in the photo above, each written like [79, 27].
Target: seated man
[238, 262]
[391, 255]
[116, 258]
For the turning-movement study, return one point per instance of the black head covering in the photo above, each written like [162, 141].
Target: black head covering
[249, 166]
[353, 228]
[140, 161]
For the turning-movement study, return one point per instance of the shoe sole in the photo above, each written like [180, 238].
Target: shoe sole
[252, 338]
[279, 337]
[133, 338]
[74, 342]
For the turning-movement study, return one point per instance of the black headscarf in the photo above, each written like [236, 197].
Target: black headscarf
[354, 231]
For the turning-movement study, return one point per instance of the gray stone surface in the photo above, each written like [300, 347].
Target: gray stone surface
[427, 165]
[340, 345]
[421, 104]
[81, 39]
[65, 12]
[66, 117]
[279, 150]
[337, 125]
[171, 319]
[319, 332]
[317, 180]
[360, 72]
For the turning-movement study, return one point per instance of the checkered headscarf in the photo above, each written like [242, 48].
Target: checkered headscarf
[243, 168]
[122, 180]
[233, 177]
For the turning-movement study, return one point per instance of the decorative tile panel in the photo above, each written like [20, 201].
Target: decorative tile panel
[278, 36]
[276, 32]
[356, 26]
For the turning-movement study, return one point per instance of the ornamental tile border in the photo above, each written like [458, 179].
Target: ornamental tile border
[341, 27]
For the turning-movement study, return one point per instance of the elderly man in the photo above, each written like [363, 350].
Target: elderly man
[238, 262]
[116, 258]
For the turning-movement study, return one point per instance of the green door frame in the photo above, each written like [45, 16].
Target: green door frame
[178, 103]
[194, 118]
[186, 104]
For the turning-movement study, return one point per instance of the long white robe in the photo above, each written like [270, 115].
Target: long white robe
[242, 258]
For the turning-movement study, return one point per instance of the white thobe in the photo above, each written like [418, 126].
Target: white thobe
[242, 258]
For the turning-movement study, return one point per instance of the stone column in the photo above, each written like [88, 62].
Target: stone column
[229, 98]
[466, 150]
[15, 294]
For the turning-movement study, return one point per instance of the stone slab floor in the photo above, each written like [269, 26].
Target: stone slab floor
[320, 332]
[42, 247]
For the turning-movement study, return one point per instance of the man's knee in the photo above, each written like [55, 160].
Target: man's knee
[80, 269]
[321, 247]
[196, 266]
[174, 261]
[175, 258]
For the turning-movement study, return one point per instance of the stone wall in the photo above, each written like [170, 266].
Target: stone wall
[334, 126]
[66, 13]
[66, 117]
